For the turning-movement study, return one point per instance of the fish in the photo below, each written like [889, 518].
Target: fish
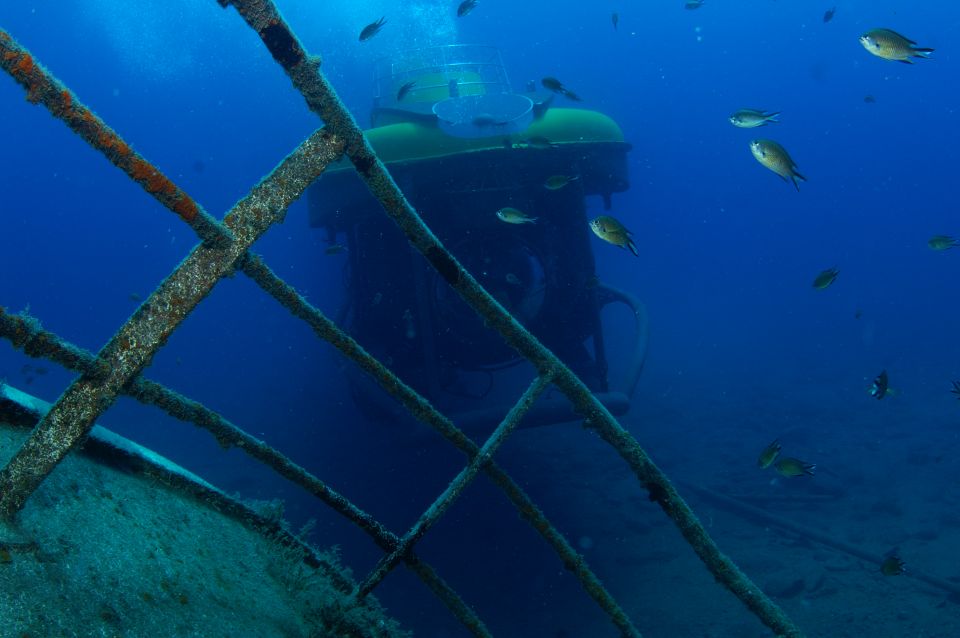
[825, 278]
[372, 29]
[892, 565]
[612, 231]
[776, 158]
[890, 45]
[334, 249]
[769, 454]
[752, 118]
[556, 182]
[513, 280]
[869, 99]
[405, 89]
[466, 7]
[942, 242]
[956, 389]
[828, 14]
[791, 467]
[690, 5]
[515, 216]
[615, 19]
[881, 386]
[555, 85]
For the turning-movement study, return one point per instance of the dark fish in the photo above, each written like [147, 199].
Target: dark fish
[615, 18]
[372, 29]
[881, 386]
[828, 16]
[956, 389]
[555, 85]
[825, 278]
[135, 297]
[690, 5]
[791, 467]
[552, 84]
[769, 454]
[869, 99]
[334, 249]
[466, 7]
[892, 565]
[403, 90]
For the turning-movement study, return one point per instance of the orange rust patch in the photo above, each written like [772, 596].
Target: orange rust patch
[140, 170]
[156, 183]
[122, 148]
[25, 64]
[67, 99]
[186, 208]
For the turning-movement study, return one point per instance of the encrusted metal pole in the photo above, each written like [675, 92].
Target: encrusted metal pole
[456, 486]
[423, 411]
[304, 71]
[130, 350]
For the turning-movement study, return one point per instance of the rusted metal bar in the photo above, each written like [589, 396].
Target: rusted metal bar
[131, 349]
[422, 410]
[43, 88]
[304, 72]
[456, 487]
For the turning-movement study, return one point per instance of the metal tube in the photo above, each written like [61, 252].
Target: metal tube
[131, 349]
[456, 486]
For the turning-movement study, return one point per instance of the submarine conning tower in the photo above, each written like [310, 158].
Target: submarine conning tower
[461, 144]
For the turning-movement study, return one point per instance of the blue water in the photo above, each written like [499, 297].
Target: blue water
[728, 251]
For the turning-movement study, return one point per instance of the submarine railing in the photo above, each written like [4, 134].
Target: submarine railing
[225, 248]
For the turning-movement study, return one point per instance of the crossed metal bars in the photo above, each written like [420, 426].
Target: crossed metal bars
[225, 248]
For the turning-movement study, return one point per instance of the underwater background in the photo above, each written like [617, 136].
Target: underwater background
[744, 350]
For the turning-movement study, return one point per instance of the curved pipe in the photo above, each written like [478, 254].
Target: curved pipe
[638, 355]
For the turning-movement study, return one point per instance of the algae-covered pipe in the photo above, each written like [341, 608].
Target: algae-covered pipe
[304, 71]
[132, 348]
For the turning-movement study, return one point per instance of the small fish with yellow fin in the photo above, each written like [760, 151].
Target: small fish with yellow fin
[791, 467]
[942, 242]
[556, 182]
[893, 565]
[752, 118]
[769, 455]
[514, 216]
[612, 231]
[890, 45]
[776, 158]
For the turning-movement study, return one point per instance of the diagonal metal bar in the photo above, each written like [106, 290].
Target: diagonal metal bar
[26, 334]
[304, 72]
[43, 88]
[456, 487]
[421, 409]
[137, 341]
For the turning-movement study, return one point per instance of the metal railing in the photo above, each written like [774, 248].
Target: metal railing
[225, 248]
